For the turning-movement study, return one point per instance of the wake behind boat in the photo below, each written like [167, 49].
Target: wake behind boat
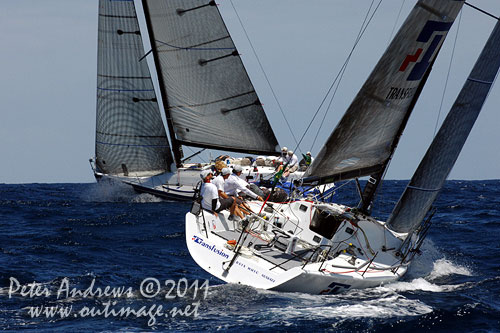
[316, 247]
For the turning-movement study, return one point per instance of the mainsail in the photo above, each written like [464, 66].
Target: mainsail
[209, 99]
[130, 136]
[364, 139]
[443, 152]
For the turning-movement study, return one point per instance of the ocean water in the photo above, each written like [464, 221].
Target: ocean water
[67, 252]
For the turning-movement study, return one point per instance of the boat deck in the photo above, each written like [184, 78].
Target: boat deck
[272, 251]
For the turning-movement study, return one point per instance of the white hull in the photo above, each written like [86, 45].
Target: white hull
[180, 185]
[306, 267]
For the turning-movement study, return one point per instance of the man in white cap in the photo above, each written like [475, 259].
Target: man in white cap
[236, 186]
[284, 150]
[219, 181]
[293, 163]
[210, 195]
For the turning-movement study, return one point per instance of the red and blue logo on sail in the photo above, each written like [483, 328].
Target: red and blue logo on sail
[428, 31]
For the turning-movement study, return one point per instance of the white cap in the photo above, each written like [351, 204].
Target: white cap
[308, 153]
[290, 152]
[284, 149]
[237, 168]
[205, 173]
[226, 171]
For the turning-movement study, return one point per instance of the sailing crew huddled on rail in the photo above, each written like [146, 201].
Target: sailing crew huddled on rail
[290, 161]
[234, 185]
[211, 200]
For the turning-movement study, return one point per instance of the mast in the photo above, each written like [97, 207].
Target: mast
[176, 146]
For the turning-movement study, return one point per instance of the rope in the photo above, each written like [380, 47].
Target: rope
[341, 72]
[264, 72]
[482, 11]
[447, 75]
[200, 156]
[396, 23]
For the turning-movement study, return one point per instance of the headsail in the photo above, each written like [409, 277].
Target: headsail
[209, 99]
[437, 163]
[364, 139]
[130, 136]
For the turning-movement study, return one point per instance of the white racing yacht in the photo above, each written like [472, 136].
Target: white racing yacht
[316, 247]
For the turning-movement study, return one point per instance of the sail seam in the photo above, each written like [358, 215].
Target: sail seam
[212, 102]
[124, 90]
[226, 148]
[479, 81]
[129, 145]
[195, 47]
[423, 189]
[132, 136]
[117, 16]
[124, 77]
[257, 102]
[431, 9]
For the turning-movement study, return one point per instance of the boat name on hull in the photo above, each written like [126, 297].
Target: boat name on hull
[212, 248]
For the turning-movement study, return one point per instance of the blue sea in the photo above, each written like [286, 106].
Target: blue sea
[96, 257]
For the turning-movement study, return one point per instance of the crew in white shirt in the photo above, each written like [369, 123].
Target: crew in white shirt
[234, 185]
[210, 195]
[293, 163]
[220, 180]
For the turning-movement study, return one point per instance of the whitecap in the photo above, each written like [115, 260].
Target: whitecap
[416, 284]
[145, 198]
[388, 307]
[444, 267]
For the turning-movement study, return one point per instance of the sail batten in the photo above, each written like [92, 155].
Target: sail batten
[208, 96]
[130, 136]
[364, 139]
[444, 150]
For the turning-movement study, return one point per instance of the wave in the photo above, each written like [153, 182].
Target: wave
[115, 192]
[444, 267]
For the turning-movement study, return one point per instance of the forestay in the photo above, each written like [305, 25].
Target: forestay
[442, 154]
[363, 140]
[130, 136]
[209, 97]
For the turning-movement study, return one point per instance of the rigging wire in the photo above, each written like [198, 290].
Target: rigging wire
[363, 29]
[342, 71]
[482, 11]
[339, 77]
[200, 157]
[264, 72]
[448, 74]
[396, 23]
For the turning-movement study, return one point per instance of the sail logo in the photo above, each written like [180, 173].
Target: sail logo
[425, 36]
[212, 248]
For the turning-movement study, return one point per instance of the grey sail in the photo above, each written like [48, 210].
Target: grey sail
[209, 99]
[443, 152]
[130, 136]
[364, 139]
